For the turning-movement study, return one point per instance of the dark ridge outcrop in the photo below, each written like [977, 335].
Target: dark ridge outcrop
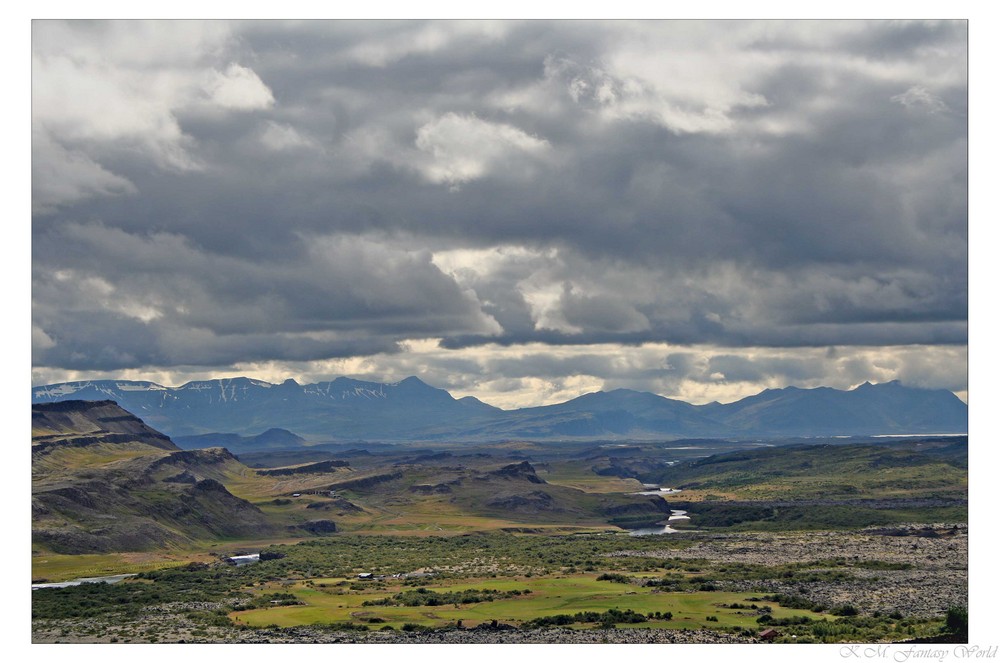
[183, 477]
[523, 470]
[194, 457]
[72, 406]
[652, 506]
[48, 443]
[319, 527]
[312, 468]
[366, 482]
[532, 502]
[430, 489]
[73, 419]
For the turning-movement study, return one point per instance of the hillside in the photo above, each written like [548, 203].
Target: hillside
[104, 481]
[930, 468]
[486, 492]
[91, 422]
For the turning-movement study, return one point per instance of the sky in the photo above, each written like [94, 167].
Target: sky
[522, 211]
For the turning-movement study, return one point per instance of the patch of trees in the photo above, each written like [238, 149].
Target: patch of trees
[957, 621]
[607, 619]
[423, 596]
[615, 577]
[796, 602]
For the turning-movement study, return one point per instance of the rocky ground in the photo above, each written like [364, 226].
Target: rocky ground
[155, 631]
[939, 555]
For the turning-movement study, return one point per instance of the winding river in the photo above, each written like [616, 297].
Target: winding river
[80, 581]
[675, 514]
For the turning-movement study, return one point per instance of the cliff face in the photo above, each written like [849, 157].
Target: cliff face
[66, 421]
[104, 481]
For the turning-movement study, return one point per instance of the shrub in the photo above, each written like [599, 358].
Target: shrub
[957, 620]
[615, 577]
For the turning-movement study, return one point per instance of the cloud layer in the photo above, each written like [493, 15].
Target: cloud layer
[446, 197]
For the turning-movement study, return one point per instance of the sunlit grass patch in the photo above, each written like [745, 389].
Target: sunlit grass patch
[541, 597]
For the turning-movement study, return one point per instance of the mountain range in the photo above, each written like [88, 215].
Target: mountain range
[248, 414]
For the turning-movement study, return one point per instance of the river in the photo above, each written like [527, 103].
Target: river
[80, 581]
[675, 515]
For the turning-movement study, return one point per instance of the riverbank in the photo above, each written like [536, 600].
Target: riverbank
[79, 581]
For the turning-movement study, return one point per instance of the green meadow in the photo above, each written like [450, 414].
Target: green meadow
[325, 601]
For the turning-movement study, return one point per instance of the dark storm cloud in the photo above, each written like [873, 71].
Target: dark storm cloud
[300, 191]
[168, 302]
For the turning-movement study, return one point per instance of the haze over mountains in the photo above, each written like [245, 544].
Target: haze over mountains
[345, 409]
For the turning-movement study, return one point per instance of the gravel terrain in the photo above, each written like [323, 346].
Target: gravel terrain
[939, 554]
[89, 632]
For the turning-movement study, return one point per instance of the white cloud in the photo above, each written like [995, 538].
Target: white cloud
[140, 44]
[280, 137]
[686, 92]
[463, 148]
[106, 88]
[84, 291]
[919, 97]
[239, 88]
[403, 39]
[40, 340]
[490, 262]
[95, 107]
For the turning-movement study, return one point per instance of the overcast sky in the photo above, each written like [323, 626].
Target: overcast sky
[520, 211]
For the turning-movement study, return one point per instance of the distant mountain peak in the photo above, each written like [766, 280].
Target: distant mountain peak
[350, 409]
[891, 384]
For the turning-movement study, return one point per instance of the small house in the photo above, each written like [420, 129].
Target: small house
[768, 635]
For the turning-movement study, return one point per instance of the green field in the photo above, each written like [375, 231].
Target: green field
[325, 602]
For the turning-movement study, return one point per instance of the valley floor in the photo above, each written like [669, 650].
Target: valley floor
[898, 583]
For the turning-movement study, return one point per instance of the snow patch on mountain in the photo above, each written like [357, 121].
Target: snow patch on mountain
[56, 391]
